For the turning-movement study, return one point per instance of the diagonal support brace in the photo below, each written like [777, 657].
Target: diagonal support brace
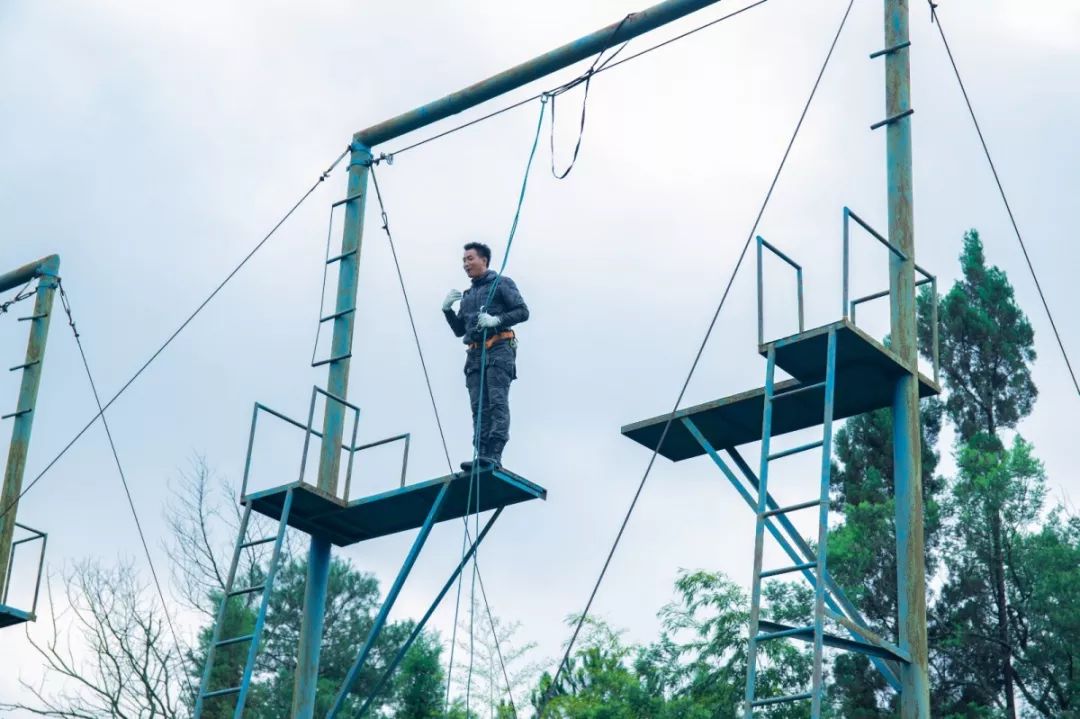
[424, 620]
[388, 604]
[788, 539]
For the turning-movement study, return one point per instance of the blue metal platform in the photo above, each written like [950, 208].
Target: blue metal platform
[10, 616]
[343, 523]
[866, 372]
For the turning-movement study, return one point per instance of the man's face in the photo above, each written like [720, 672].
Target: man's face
[474, 264]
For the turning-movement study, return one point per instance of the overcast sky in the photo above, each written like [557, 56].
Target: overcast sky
[152, 144]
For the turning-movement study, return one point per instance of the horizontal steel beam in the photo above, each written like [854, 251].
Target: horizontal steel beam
[630, 27]
[18, 277]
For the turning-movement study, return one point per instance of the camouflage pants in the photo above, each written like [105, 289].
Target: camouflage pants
[494, 430]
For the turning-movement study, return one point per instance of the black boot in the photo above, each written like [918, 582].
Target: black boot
[483, 463]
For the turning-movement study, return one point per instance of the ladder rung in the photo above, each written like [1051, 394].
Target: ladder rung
[24, 366]
[357, 196]
[890, 50]
[792, 508]
[221, 692]
[778, 700]
[789, 570]
[234, 640]
[33, 317]
[780, 634]
[256, 542]
[338, 314]
[894, 118]
[342, 256]
[248, 590]
[320, 363]
[796, 450]
[797, 390]
[19, 413]
[884, 651]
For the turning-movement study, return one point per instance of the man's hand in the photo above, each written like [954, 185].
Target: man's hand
[486, 322]
[451, 297]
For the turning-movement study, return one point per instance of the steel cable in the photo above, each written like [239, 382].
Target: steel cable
[563, 663]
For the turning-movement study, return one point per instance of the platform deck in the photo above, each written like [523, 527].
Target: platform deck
[319, 514]
[10, 616]
[866, 374]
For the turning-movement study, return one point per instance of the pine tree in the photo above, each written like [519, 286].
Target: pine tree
[987, 347]
[862, 549]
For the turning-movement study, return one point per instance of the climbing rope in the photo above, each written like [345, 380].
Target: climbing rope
[123, 480]
[466, 536]
[176, 333]
[474, 480]
[935, 19]
[564, 662]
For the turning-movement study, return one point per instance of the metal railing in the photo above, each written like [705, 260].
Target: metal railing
[927, 278]
[762, 244]
[309, 431]
[35, 535]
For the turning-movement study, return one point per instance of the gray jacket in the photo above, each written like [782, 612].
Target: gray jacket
[506, 303]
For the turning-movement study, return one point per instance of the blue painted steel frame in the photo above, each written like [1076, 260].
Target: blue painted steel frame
[341, 344]
[388, 603]
[584, 47]
[823, 531]
[23, 615]
[427, 615]
[820, 556]
[895, 253]
[907, 452]
[241, 690]
[47, 271]
[352, 448]
[310, 642]
[763, 244]
[759, 536]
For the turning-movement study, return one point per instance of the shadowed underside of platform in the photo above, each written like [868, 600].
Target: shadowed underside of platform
[398, 510]
[10, 616]
[866, 374]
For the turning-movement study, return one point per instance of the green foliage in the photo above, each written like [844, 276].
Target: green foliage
[239, 620]
[987, 347]
[862, 550]
[695, 670]
[997, 497]
[1046, 583]
[416, 691]
[419, 681]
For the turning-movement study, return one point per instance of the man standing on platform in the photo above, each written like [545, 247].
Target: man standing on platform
[489, 308]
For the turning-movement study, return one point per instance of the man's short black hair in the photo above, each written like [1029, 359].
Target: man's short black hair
[481, 249]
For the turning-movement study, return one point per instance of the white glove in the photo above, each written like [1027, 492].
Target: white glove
[451, 297]
[485, 321]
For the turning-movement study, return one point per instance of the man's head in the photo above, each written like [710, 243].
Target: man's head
[476, 259]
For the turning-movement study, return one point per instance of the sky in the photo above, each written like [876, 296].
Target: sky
[152, 145]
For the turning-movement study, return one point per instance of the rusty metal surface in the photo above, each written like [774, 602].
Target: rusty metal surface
[584, 47]
[46, 270]
[911, 570]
